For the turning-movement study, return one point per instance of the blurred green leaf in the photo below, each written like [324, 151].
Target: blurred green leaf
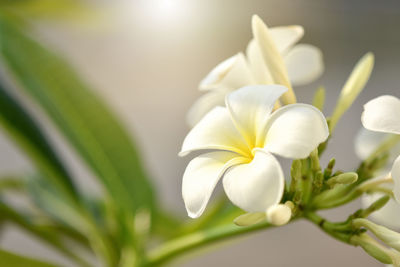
[13, 260]
[42, 232]
[70, 10]
[8, 183]
[81, 116]
[30, 138]
[49, 201]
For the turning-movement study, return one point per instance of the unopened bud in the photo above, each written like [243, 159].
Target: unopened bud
[374, 249]
[344, 178]
[352, 88]
[387, 236]
[279, 214]
[250, 218]
[328, 170]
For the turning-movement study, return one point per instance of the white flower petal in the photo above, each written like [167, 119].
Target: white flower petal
[294, 131]
[232, 73]
[382, 114]
[255, 186]
[304, 64]
[257, 65]
[367, 142]
[286, 36]
[204, 104]
[272, 58]
[250, 108]
[201, 176]
[396, 179]
[215, 131]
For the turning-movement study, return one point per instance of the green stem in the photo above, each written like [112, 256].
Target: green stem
[196, 240]
[336, 230]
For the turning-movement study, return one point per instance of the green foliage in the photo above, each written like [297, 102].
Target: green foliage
[25, 131]
[14, 260]
[80, 115]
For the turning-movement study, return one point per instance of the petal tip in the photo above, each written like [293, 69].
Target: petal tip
[183, 153]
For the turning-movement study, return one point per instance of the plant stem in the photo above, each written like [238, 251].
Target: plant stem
[190, 242]
[332, 229]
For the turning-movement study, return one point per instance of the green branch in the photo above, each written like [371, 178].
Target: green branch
[196, 240]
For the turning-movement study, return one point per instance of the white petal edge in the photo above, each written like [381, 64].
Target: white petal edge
[250, 108]
[304, 63]
[232, 73]
[216, 74]
[201, 176]
[204, 104]
[215, 131]
[382, 114]
[294, 131]
[255, 186]
[396, 179]
[286, 36]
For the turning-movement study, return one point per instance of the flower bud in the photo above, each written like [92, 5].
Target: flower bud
[279, 214]
[334, 197]
[374, 249]
[249, 219]
[344, 178]
[352, 88]
[387, 236]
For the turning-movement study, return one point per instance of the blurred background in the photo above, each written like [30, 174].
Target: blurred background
[145, 58]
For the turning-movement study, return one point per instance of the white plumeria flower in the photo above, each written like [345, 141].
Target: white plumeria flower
[299, 63]
[382, 115]
[241, 137]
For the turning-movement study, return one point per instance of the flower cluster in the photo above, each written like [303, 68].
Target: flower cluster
[249, 114]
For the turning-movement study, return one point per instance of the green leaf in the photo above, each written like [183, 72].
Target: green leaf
[70, 10]
[8, 183]
[80, 115]
[44, 233]
[31, 139]
[47, 199]
[13, 260]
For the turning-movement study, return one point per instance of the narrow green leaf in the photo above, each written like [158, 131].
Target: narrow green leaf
[75, 11]
[13, 260]
[22, 128]
[47, 199]
[81, 116]
[9, 183]
[44, 233]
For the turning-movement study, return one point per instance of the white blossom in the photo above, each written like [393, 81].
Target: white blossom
[242, 137]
